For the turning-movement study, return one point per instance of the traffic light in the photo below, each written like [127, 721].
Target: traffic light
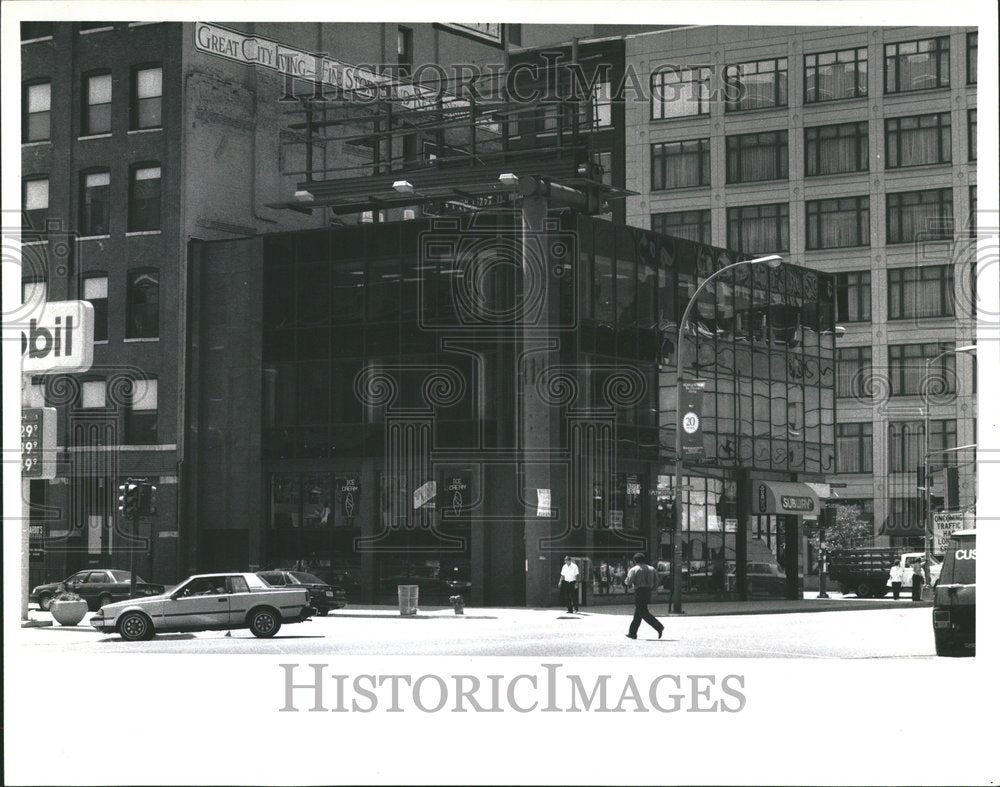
[128, 498]
[147, 500]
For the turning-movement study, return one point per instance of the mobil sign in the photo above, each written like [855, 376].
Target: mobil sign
[59, 337]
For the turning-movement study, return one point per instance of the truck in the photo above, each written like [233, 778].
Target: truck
[865, 572]
[955, 598]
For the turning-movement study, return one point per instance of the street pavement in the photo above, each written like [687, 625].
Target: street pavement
[809, 628]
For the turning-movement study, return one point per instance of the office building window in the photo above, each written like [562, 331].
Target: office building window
[146, 106]
[514, 35]
[914, 215]
[923, 139]
[141, 413]
[604, 160]
[906, 443]
[143, 306]
[854, 296]
[907, 368]
[693, 225]
[854, 372]
[757, 85]
[601, 105]
[836, 223]
[973, 198]
[917, 65]
[751, 157]
[680, 91]
[36, 112]
[144, 199]
[758, 229]
[832, 150]
[34, 30]
[95, 199]
[854, 448]
[971, 58]
[679, 165]
[34, 291]
[404, 50]
[95, 290]
[93, 394]
[928, 291]
[972, 121]
[96, 104]
[35, 202]
[835, 75]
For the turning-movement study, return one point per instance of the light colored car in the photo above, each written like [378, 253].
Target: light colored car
[207, 602]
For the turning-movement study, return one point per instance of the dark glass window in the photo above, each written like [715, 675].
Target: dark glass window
[835, 75]
[913, 215]
[971, 58]
[837, 223]
[146, 106]
[404, 50]
[973, 199]
[854, 448]
[694, 225]
[144, 198]
[757, 85]
[95, 290]
[514, 35]
[96, 104]
[922, 139]
[95, 203]
[973, 120]
[33, 30]
[831, 150]
[758, 229]
[681, 164]
[908, 368]
[906, 443]
[854, 373]
[680, 91]
[37, 112]
[600, 114]
[927, 291]
[762, 156]
[141, 413]
[35, 204]
[143, 318]
[917, 65]
[854, 296]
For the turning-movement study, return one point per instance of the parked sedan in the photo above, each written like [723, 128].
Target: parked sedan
[322, 596]
[207, 602]
[97, 587]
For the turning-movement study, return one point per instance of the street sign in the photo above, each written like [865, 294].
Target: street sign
[38, 442]
[947, 522]
[59, 339]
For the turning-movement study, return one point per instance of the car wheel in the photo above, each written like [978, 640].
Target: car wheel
[264, 623]
[104, 600]
[135, 627]
[323, 611]
[863, 590]
[45, 601]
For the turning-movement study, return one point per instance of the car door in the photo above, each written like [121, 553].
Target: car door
[240, 600]
[96, 583]
[76, 583]
[198, 605]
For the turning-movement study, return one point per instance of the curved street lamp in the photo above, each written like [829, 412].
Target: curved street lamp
[772, 261]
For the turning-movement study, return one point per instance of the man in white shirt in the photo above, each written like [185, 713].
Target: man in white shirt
[567, 584]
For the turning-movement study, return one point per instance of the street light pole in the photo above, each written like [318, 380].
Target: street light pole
[928, 362]
[773, 261]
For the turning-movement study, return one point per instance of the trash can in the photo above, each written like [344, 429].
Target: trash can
[408, 598]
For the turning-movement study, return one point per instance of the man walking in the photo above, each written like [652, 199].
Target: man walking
[918, 579]
[567, 584]
[642, 579]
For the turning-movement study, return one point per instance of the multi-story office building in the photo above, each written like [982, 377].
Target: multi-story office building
[851, 151]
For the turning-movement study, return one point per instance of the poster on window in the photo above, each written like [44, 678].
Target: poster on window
[455, 496]
[349, 495]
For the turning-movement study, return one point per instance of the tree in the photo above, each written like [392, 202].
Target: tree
[848, 528]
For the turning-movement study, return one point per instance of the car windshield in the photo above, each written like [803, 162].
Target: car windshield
[306, 579]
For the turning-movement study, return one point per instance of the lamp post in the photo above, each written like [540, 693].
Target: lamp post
[968, 348]
[772, 261]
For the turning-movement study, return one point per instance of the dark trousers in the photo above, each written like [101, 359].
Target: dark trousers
[917, 584]
[895, 590]
[567, 592]
[642, 597]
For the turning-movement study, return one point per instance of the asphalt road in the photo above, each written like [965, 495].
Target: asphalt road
[858, 634]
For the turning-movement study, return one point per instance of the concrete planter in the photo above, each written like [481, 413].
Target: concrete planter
[68, 613]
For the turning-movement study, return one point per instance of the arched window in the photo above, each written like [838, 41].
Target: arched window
[143, 308]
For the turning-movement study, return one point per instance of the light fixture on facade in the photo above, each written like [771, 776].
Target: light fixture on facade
[508, 179]
[403, 187]
[303, 196]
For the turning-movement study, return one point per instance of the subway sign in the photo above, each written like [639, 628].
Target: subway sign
[790, 503]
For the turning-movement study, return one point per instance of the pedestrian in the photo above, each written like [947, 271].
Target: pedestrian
[567, 584]
[896, 579]
[604, 577]
[642, 579]
[918, 579]
[719, 579]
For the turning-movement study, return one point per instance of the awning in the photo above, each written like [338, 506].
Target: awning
[785, 497]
